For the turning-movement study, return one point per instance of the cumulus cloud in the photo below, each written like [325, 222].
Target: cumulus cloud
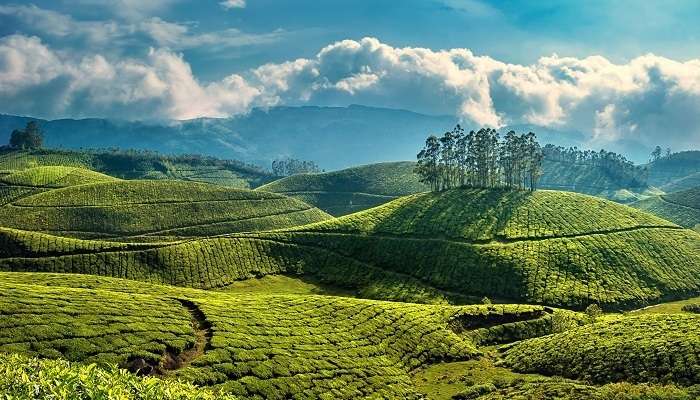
[228, 4]
[36, 80]
[648, 99]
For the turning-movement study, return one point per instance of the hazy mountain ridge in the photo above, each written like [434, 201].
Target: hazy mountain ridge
[334, 137]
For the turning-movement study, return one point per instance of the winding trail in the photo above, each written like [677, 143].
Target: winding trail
[203, 334]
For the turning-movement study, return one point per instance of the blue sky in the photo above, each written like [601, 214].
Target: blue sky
[620, 70]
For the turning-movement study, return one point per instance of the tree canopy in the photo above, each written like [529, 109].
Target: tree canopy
[29, 138]
[480, 159]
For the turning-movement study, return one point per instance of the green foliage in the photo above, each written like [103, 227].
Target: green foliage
[682, 208]
[352, 189]
[29, 138]
[155, 208]
[593, 312]
[493, 214]
[657, 348]
[54, 177]
[24, 378]
[264, 346]
[480, 379]
[552, 248]
[691, 308]
[671, 173]
[133, 164]
[90, 325]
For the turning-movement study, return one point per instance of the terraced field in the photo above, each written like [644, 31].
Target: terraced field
[662, 348]
[140, 165]
[119, 209]
[553, 248]
[682, 207]
[277, 346]
[353, 189]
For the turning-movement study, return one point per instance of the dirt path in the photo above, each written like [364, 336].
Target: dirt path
[203, 333]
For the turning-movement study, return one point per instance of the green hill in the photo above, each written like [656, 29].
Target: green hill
[54, 177]
[677, 172]
[682, 207]
[547, 247]
[648, 348]
[253, 346]
[585, 178]
[130, 164]
[154, 208]
[353, 189]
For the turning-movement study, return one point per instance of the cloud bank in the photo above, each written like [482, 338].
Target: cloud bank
[649, 99]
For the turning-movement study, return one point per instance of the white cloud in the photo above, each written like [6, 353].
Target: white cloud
[649, 99]
[149, 30]
[228, 4]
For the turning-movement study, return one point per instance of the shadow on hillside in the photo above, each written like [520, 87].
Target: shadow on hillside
[472, 214]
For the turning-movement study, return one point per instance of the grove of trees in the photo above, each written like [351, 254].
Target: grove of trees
[615, 165]
[480, 159]
[292, 166]
[29, 138]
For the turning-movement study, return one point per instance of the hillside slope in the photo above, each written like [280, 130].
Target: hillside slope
[353, 189]
[547, 247]
[257, 346]
[678, 172]
[130, 164]
[657, 348]
[683, 208]
[154, 208]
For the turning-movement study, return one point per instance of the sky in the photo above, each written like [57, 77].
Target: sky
[617, 70]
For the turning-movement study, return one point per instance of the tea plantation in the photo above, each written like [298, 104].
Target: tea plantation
[165, 278]
[554, 248]
[681, 207]
[659, 348]
[353, 189]
[258, 346]
[132, 164]
[154, 208]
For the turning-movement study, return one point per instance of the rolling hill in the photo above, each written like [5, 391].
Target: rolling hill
[118, 209]
[548, 247]
[353, 189]
[253, 346]
[659, 348]
[301, 346]
[677, 172]
[130, 164]
[682, 207]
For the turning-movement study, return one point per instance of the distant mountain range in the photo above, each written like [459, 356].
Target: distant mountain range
[334, 137]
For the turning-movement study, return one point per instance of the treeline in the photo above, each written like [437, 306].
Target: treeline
[615, 165]
[292, 166]
[480, 159]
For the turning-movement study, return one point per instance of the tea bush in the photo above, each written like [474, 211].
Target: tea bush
[657, 348]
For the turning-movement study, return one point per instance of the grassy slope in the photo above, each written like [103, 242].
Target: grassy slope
[549, 247]
[661, 348]
[140, 165]
[154, 208]
[353, 189]
[681, 207]
[270, 346]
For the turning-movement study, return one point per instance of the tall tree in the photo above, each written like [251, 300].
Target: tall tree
[29, 138]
